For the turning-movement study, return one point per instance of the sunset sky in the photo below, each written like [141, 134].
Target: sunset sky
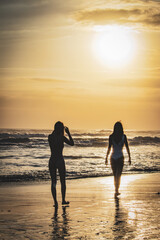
[86, 63]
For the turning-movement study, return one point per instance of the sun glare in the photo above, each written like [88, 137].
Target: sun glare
[114, 46]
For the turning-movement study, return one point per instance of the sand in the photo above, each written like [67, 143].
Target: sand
[26, 210]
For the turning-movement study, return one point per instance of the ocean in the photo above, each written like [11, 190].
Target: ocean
[25, 154]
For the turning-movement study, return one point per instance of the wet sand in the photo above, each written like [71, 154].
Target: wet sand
[26, 210]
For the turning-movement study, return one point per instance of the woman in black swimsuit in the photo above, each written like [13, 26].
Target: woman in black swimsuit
[56, 142]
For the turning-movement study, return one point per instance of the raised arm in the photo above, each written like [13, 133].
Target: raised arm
[127, 147]
[70, 140]
[109, 149]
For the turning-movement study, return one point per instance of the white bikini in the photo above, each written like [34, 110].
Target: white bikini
[117, 149]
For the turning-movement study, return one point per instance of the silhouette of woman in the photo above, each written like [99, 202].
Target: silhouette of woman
[56, 161]
[116, 141]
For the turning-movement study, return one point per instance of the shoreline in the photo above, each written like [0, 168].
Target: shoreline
[94, 213]
[32, 182]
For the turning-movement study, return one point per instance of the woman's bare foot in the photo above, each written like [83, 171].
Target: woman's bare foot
[55, 204]
[117, 193]
[65, 202]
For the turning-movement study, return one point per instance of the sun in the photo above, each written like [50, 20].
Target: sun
[114, 45]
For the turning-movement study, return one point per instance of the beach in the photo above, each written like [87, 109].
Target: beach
[27, 210]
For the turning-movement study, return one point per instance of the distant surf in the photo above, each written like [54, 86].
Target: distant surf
[25, 154]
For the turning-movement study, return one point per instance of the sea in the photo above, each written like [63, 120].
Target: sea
[24, 154]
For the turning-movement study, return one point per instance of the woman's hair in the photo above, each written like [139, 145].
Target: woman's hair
[118, 130]
[59, 128]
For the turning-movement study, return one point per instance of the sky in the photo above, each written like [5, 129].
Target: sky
[85, 63]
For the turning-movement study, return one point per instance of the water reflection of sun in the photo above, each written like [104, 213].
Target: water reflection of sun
[114, 46]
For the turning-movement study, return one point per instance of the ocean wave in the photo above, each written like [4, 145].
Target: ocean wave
[41, 139]
[45, 176]
[95, 134]
[25, 177]
[93, 142]
[24, 164]
[145, 169]
[22, 135]
[144, 140]
[7, 157]
[103, 142]
[80, 157]
[14, 140]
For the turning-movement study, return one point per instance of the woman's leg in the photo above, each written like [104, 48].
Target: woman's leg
[54, 194]
[53, 173]
[120, 163]
[117, 167]
[116, 180]
[62, 174]
[114, 170]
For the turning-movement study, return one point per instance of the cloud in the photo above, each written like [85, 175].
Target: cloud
[51, 80]
[21, 20]
[106, 15]
[21, 9]
[150, 1]
[14, 13]
[143, 16]
[153, 20]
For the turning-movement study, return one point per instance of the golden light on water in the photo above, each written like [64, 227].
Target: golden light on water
[114, 46]
[125, 182]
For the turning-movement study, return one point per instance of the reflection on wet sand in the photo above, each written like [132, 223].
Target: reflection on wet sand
[60, 225]
[26, 211]
[121, 228]
[118, 225]
[96, 214]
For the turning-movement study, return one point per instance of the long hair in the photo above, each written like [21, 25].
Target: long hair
[59, 128]
[118, 131]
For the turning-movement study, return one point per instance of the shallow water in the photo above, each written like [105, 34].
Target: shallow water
[25, 153]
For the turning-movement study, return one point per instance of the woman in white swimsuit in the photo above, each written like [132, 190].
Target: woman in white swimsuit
[116, 141]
